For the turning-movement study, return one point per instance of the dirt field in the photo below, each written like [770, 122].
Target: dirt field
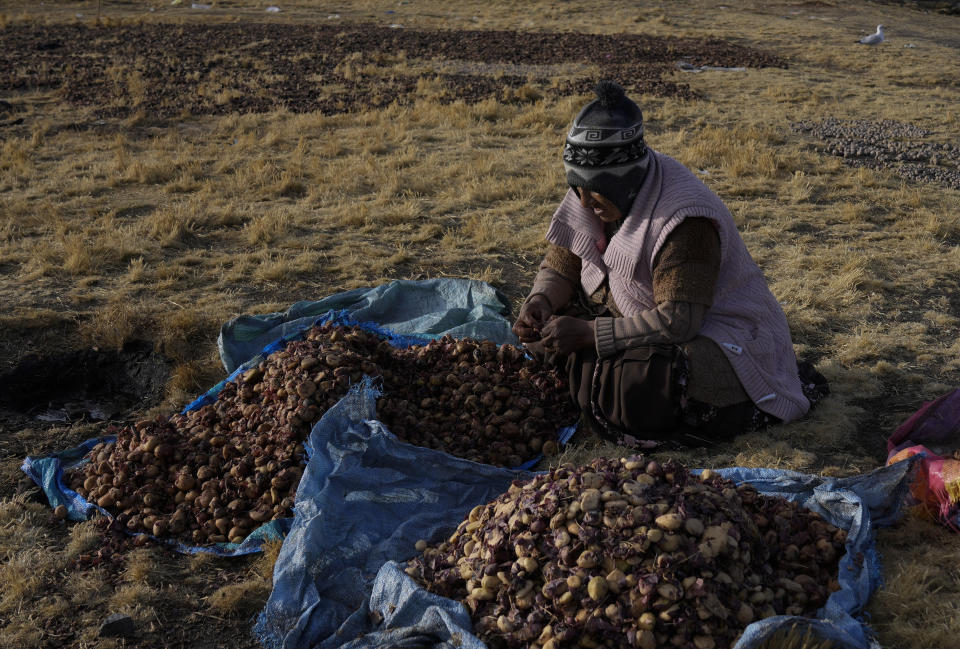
[267, 69]
[168, 168]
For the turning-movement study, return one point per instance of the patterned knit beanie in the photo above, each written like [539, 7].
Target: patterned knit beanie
[605, 151]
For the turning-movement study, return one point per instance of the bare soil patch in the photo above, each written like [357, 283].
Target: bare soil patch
[82, 385]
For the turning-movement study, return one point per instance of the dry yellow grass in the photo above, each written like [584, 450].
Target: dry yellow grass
[137, 229]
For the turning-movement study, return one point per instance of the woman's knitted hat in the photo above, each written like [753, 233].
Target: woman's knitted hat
[605, 151]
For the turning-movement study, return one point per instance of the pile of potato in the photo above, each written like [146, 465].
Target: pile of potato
[634, 554]
[476, 400]
[219, 471]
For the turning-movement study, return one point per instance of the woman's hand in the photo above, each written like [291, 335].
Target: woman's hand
[534, 313]
[565, 335]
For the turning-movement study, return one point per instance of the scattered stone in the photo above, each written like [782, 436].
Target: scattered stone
[117, 625]
[26, 483]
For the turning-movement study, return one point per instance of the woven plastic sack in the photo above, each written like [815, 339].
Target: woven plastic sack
[932, 434]
[427, 308]
[47, 472]
[339, 581]
[365, 498]
[347, 319]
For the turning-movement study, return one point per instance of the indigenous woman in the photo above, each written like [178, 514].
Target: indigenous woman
[649, 297]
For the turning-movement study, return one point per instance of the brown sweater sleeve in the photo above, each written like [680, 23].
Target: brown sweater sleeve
[558, 277]
[686, 267]
[564, 262]
[684, 277]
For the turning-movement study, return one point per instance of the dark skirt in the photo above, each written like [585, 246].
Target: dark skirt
[640, 395]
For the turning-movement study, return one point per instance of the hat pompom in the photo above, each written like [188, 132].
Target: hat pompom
[609, 93]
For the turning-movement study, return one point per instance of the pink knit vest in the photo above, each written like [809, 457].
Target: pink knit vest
[744, 319]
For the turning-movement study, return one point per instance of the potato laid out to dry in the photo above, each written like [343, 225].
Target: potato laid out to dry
[631, 553]
[223, 469]
[475, 400]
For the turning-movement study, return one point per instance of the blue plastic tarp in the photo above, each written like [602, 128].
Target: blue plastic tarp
[858, 505]
[366, 498]
[347, 319]
[432, 308]
[341, 317]
[48, 471]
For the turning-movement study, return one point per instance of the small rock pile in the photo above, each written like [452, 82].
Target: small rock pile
[214, 474]
[629, 553]
[888, 144]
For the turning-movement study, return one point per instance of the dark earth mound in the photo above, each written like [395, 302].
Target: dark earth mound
[170, 70]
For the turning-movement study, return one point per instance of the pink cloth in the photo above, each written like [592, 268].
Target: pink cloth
[937, 423]
[744, 319]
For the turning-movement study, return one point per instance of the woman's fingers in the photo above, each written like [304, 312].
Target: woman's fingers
[525, 331]
[564, 334]
[555, 325]
[552, 335]
[538, 316]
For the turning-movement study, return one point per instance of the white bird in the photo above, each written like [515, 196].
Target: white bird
[873, 39]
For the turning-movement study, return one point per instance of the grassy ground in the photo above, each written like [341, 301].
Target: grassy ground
[165, 228]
